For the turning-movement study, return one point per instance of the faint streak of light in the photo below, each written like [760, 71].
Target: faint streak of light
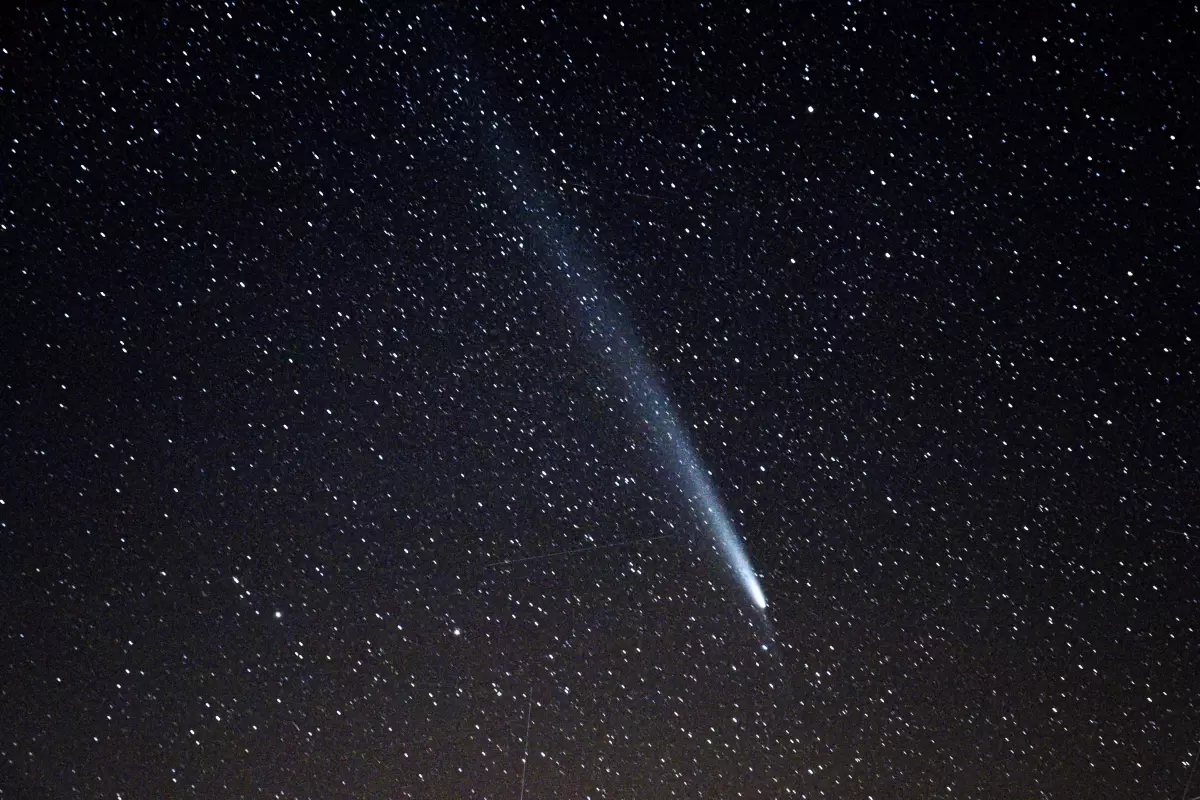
[575, 550]
[525, 757]
[1191, 774]
[598, 190]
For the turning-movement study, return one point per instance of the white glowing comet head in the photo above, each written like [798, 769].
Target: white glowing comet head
[728, 544]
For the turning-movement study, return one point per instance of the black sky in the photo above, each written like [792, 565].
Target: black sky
[312, 484]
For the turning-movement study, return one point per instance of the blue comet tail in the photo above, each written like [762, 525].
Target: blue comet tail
[625, 356]
[602, 325]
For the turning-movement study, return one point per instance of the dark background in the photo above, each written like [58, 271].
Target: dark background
[284, 382]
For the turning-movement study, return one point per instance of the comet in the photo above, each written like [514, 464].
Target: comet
[602, 324]
[610, 336]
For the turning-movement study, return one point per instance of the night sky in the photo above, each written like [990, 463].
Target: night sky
[407, 403]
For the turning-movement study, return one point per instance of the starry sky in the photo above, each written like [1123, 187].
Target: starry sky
[401, 401]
